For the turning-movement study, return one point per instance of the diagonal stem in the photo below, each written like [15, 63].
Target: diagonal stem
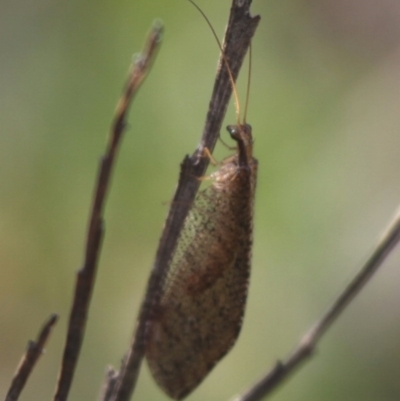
[87, 274]
[304, 350]
[34, 351]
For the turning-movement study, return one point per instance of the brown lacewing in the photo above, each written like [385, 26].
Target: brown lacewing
[204, 296]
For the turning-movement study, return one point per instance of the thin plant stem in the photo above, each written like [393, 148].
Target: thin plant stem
[34, 351]
[87, 274]
[109, 384]
[306, 347]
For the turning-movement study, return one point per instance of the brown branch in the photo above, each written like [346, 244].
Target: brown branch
[28, 361]
[307, 344]
[241, 28]
[109, 384]
[86, 275]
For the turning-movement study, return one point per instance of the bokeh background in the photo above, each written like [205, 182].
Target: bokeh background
[325, 110]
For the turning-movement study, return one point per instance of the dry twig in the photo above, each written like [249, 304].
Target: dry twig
[109, 384]
[307, 344]
[86, 275]
[34, 350]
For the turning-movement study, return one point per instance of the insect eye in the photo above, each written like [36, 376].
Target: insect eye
[234, 131]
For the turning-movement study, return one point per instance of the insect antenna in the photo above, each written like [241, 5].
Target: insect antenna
[234, 89]
[246, 105]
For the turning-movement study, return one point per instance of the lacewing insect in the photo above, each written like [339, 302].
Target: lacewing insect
[204, 296]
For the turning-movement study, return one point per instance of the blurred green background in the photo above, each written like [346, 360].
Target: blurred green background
[324, 107]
